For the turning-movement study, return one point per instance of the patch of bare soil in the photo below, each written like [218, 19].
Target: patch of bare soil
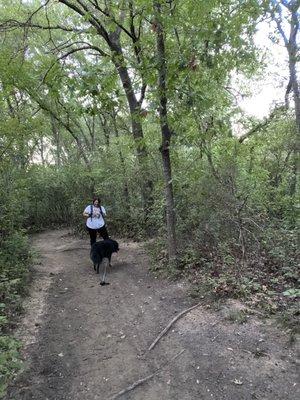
[89, 342]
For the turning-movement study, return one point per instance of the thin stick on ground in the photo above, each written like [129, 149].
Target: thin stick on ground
[147, 378]
[170, 324]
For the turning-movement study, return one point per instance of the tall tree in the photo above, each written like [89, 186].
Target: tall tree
[165, 129]
[286, 15]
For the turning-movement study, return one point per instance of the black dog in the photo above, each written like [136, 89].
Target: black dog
[100, 250]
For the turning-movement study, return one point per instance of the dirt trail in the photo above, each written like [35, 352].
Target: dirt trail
[86, 341]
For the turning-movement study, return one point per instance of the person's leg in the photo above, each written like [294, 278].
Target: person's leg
[93, 235]
[103, 232]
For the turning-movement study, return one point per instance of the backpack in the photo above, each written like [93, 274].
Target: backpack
[101, 212]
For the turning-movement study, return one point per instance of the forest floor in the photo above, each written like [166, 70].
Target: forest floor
[86, 341]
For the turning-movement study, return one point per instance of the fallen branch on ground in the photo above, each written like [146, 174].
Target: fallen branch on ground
[143, 380]
[169, 326]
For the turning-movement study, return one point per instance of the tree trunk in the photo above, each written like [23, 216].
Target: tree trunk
[166, 134]
[137, 130]
[56, 137]
[295, 160]
[292, 49]
[123, 165]
[292, 52]
[42, 151]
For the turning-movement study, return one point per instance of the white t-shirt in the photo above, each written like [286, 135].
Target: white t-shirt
[96, 221]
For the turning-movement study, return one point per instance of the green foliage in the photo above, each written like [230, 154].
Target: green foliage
[14, 261]
[66, 134]
[15, 256]
[10, 362]
[236, 222]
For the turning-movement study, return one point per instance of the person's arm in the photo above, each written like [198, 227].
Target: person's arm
[86, 213]
[103, 211]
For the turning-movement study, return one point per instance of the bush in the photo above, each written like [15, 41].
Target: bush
[10, 362]
[15, 259]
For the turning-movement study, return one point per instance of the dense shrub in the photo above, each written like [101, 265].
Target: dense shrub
[15, 259]
[236, 229]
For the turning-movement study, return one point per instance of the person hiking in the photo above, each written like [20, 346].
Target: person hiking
[95, 223]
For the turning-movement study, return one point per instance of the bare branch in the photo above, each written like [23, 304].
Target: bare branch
[257, 127]
[12, 24]
[291, 5]
[167, 328]
[143, 380]
[37, 10]
[46, 107]
[281, 31]
[111, 17]
[6, 148]
[91, 18]
[87, 47]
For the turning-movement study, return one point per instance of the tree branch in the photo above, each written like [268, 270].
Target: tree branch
[88, 47]
[92, 19]
[282, 33]
[66, 125]
[143, 93]
[72, 51]
[258, 127]
[37, 10]
[108, 15]
[14, 24]
[143, 380]
[167, 328]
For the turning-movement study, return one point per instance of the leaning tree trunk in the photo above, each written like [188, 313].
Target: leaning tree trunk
[292, 52]
[295, 88]
[292, 49]
[123, 165]
[137, 130]
[56, 137]
[166, 134]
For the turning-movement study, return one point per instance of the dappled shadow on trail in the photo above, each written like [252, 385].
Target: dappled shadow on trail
[88, 342]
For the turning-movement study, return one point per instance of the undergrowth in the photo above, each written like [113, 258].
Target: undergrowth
[15, 259]
[267, 281]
